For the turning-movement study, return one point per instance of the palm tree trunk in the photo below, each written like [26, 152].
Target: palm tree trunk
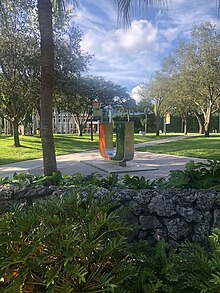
[47, 75]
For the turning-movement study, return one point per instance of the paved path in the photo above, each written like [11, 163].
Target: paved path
[145, 164]
[162, 140]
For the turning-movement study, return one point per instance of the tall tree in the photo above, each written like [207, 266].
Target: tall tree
[196, 78]
[18, 64]
[201, 70]
[155, 94]
[47, 82]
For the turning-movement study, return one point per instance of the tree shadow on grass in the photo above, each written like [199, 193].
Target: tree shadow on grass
[26, 147]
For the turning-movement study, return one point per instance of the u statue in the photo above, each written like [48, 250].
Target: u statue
[124, 142]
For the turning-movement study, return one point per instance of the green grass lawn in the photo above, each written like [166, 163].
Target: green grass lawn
[198, 147]
[31, 147]
[65, 144]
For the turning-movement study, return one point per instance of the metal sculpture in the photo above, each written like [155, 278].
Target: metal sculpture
[124, 142]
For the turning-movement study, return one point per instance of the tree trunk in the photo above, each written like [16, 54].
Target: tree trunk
[16, 133]
[78, 124]
[185, 127]
[157, 125]
[200, 122]
[47, 75]
[207, 121]
[91, 124]
[80, 133]
[184, 120]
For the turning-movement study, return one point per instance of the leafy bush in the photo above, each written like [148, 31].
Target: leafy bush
[195, 175]
[197, 269]
[78, 180]
[135, 182]
[93, 179]
[65, 245]
[153, 263]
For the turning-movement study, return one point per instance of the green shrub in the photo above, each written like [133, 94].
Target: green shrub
[79, 244]
[135, 182]
[153, 263]
[65, 245]
[195, 175]
[93, 179]
[196, 269]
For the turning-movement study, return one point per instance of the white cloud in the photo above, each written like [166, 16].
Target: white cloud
[140, 36]
[135, 93]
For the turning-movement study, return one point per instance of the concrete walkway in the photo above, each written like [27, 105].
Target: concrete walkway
[145, 164]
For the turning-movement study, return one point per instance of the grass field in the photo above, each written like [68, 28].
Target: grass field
[65, 144]
[198, 147]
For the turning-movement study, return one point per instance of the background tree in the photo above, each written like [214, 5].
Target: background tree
[201, 66]
[177, 99]
[195, 80]
[155, 93]
[79, 95]
[19, 66]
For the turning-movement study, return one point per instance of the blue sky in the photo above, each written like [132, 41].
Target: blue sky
[130, 57]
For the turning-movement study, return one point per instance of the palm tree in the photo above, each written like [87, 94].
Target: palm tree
[47, 76]
[45, 11]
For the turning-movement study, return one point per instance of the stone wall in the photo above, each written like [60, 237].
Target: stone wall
[175, 215]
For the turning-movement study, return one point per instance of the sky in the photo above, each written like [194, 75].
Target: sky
[130, 56]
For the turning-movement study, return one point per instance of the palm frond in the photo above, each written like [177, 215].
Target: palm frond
[124, 7]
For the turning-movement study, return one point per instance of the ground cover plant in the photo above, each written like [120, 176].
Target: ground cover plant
[64, 143]
[197, 147]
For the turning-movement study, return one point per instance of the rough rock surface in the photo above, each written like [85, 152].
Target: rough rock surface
[175, 215]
